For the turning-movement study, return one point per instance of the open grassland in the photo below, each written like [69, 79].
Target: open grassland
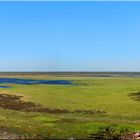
[89, 103]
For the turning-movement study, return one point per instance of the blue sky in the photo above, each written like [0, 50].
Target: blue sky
[69, 36]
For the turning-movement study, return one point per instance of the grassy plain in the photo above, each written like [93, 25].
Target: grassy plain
[114, 101]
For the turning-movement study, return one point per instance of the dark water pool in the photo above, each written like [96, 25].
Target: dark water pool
[5, 86]
[31, 81]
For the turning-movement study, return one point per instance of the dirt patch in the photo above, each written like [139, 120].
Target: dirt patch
[15, 102]
[89, 111]
[7, 134]
[135, 96]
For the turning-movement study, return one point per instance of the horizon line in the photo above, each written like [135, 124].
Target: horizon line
[69, 71]
[68, 0]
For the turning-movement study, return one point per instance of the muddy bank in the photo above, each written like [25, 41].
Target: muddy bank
[15, 102]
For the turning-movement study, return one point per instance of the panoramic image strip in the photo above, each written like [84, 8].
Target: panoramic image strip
[70, 70]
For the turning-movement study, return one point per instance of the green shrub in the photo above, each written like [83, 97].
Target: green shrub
[109, 133]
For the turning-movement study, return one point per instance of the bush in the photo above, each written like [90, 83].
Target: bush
[109, 133]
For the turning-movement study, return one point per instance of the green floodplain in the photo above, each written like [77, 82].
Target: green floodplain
[76, 110]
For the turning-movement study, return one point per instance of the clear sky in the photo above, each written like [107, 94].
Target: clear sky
[69, 36]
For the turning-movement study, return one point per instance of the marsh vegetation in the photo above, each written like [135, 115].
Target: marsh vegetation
[75, 110]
